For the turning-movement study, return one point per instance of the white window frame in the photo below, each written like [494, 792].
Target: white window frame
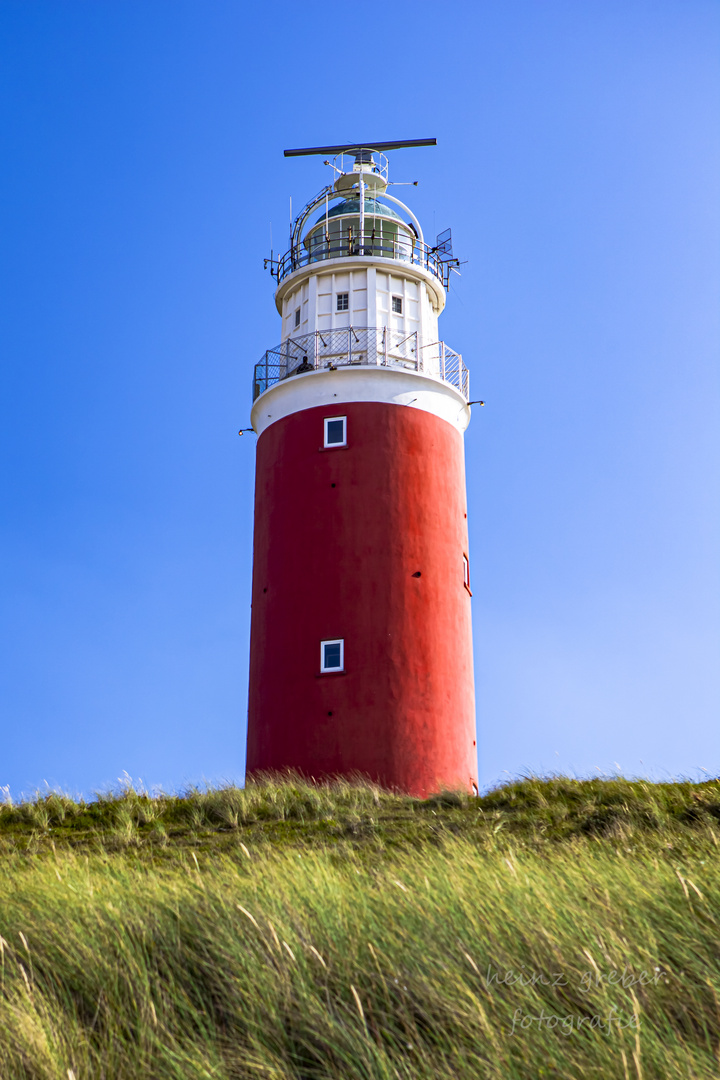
[331, 445]
[346, 297]
[332, 641]
[393, 309]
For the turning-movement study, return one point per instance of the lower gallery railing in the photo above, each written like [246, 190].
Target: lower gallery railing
[367, 345]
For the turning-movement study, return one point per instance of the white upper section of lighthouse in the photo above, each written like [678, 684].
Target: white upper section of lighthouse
[360, 286]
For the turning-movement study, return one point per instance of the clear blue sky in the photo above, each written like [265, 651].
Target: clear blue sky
[578, 164]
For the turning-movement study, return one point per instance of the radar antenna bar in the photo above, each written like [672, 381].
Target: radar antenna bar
[346, 147]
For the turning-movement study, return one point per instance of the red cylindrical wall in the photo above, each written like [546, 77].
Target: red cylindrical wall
[366, 543]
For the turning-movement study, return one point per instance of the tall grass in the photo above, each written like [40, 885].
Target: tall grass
[491, 943]
[532, 812]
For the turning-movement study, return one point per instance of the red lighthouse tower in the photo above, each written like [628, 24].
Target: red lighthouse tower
[361, 640]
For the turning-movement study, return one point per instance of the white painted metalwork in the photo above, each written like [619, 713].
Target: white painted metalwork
[360, 346]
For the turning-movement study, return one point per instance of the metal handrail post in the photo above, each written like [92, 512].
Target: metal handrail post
[385, 346]
[349, 334]
[442, 359]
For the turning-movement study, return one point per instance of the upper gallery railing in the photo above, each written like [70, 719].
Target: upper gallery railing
[362, 345]
[401, 248]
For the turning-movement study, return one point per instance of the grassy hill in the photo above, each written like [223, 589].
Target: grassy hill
[552, 928]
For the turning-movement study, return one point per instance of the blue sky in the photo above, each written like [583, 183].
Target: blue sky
[578, 164]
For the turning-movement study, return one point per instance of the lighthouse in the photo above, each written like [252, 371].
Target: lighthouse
[361, 637]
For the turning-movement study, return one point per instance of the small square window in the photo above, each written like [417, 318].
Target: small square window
[343, 301]
[297, 316]
[335, 431]
[332, 655]
[397, 305]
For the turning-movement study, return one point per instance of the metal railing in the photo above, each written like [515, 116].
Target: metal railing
[365, 346]
[402, 249]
